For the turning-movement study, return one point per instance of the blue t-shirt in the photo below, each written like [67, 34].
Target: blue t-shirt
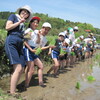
[19, 30]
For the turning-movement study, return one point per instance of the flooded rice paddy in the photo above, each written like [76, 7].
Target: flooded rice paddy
[65, 86]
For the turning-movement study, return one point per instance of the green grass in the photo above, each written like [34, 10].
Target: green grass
[3, 34]
[5, 96]
[51, 39]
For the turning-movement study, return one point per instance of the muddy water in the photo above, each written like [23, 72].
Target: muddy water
[63, 87]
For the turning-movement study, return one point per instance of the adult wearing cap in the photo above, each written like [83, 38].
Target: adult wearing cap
[55, 54]
[14, 43]
[37, 40]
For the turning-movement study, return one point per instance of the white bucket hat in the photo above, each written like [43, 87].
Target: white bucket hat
[82, 37]
[46, 24]
[67, 41]
[26, 7]
[78, 45]
[62, 33]
[75, 28]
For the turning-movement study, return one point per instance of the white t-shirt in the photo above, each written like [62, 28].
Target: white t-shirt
[87, 40]
[34, 37]
[72, 37]
[76, 40]
[43, 41]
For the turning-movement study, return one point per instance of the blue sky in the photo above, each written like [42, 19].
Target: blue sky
[74, 10]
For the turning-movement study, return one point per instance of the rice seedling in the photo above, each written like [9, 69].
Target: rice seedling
[78, 41]
[78, 85]
[62, 51]
[27, 36]
[97, 56]
[38, 51]
[91, 66]
[91, 78]
[72, 53]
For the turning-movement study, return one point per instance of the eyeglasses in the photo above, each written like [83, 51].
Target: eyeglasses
[26, 11]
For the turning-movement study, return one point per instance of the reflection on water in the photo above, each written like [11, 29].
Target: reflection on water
[90, 68]
[95, 72]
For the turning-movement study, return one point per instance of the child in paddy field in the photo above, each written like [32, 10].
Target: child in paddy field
[88, 49]
[79, 46]
[38, 40]
[14, 43]
[72, 32]
[55, 54]
[91, 35]
[32, 35]
[65, 53]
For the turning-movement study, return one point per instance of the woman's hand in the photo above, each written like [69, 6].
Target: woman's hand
[10, 25]
[22, 20]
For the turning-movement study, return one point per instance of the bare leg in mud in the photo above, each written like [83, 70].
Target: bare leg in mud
[87, 54]
[40, 70]
[15, 77]
[29, 72]
[55, 67]
[68, 62]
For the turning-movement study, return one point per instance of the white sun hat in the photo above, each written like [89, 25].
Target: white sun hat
[78, 45]
[82, 37]
[26, 7]
[62, 33]
[67, 41]
[46, 24]
[75, 28]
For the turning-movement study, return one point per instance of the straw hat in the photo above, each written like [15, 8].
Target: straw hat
[26, 7]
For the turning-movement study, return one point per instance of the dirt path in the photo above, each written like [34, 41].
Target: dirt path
[63, 87]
